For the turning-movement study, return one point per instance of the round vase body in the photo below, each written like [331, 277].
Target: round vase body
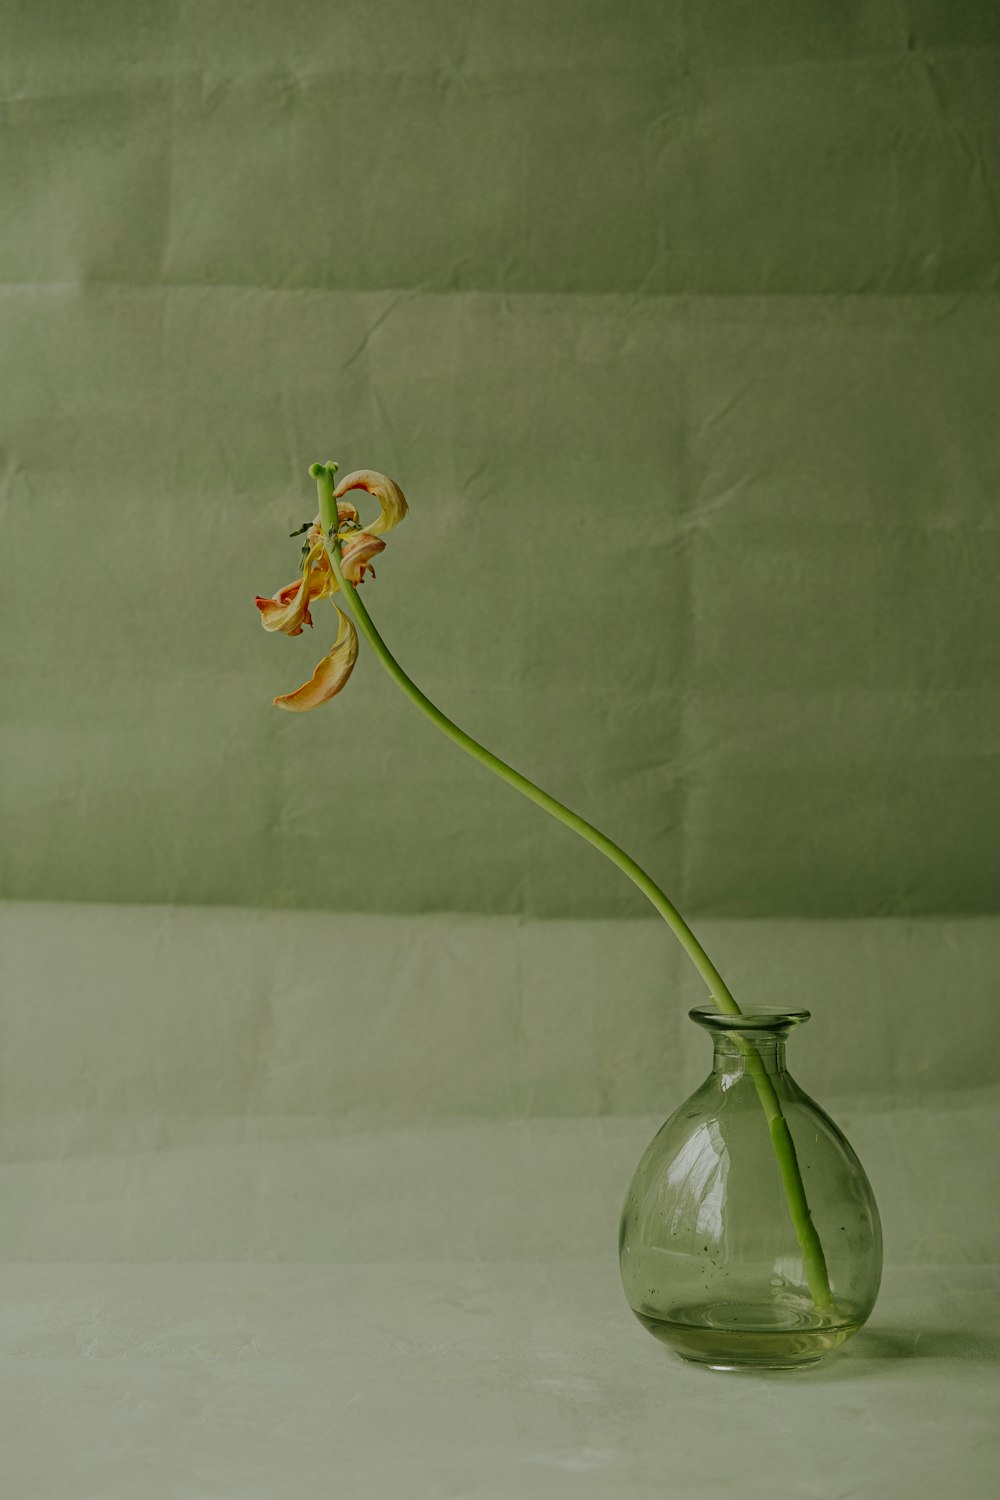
[750, 1235]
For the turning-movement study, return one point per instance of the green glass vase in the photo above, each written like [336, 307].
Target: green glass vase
[711, 1261]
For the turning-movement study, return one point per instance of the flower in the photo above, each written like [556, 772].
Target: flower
[288, 611]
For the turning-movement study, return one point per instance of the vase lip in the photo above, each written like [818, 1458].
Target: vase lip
[761, 1018]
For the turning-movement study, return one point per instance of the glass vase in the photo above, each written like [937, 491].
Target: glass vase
[750, 1235]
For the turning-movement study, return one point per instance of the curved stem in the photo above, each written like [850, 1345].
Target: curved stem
[608, 847]
[814, 1260]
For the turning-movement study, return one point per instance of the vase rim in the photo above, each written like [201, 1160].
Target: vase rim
[761, 1018]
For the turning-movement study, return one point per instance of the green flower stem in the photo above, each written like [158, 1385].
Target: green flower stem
[586, 830]
[784, 1148]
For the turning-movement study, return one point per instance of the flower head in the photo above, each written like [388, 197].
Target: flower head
[288, 610]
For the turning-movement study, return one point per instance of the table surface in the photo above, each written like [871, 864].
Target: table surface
[359, 1239]
[493, 1380]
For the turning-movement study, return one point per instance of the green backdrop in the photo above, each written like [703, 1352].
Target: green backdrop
[677, 324]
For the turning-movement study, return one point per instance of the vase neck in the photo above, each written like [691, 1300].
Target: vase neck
[754, 1039]
[731, 1060]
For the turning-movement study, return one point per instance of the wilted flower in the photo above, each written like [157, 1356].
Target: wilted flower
[288, 610]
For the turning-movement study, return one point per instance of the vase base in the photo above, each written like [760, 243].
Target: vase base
[750, 1336]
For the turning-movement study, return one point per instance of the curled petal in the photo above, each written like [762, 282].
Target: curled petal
[330, 674]
[392, 501]
[357, 552]
[322, 579]
[288, 610]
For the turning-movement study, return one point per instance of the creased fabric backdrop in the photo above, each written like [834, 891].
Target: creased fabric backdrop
[678, 324]
[674, 323]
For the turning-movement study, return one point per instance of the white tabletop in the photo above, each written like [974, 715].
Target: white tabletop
[502, 1381]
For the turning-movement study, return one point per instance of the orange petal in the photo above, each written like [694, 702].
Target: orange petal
[330, 674]
[322, 580]
[357, 552]
[392, 501]
[288, 610]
